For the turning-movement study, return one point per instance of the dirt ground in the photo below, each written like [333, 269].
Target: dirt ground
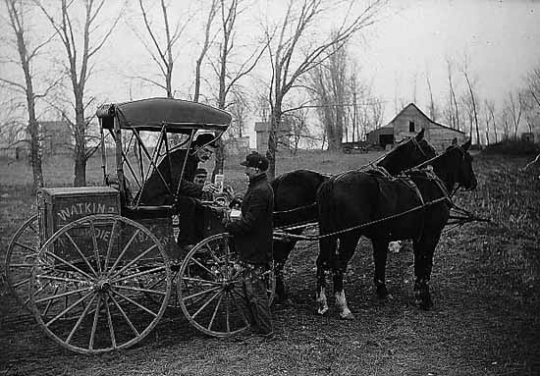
[485, 284]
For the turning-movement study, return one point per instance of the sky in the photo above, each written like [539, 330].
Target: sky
[500, 40]
[412, 40]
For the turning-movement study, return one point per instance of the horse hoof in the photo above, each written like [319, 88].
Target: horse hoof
[322, 311]
[347, 316]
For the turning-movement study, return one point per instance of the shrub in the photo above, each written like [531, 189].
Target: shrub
[513, 147]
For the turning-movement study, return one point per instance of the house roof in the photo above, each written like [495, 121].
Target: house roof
[427, 118]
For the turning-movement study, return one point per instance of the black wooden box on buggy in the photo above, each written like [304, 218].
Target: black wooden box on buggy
[98, 269]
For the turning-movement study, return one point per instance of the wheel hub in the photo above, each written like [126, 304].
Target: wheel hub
[103, 285]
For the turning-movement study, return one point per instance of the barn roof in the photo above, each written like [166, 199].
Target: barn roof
[427, 118]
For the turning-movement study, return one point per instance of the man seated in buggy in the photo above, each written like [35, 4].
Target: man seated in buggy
[187, 205]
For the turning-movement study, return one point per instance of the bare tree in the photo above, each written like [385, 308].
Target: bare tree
[471, 99]
[514, 107]
[299, 128]
[432, 107]
[329, 89]
[160, 47]
[229, 77]
[452, 116]
[208, 38]
[531, 100]
[76, 36]
[491, 119]
[293, 52]
[17, 11]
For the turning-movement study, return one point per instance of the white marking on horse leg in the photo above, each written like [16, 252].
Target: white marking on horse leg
[322, 303]
[341, 302]
[394, 246]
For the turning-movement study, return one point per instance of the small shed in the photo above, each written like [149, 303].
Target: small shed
[409, 122]
[284, 135]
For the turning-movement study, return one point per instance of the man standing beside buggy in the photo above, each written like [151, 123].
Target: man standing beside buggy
[252, 234]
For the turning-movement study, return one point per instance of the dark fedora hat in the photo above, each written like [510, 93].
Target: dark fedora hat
[256, 160]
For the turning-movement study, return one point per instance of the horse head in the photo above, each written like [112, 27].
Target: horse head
[408, 154]
[459, 164]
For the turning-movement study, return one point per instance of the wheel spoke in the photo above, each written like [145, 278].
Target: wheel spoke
[48, 253]
[67, 293]
[140, 256]
[201, 293]
[110, 322]
[110, 245]
[80, 253]
[21, 282]
[135, 303]
[123, 251]
[201, 308]
[79, 321]
[68, 309]
[215, 312]
[34, 250]
[95, 244]
[202, 266]
[139, 274]
[133, 328]
[62, 279]
[94, 324]
[191, 279]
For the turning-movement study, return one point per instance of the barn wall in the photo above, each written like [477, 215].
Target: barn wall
[440, 137]
[401, 123]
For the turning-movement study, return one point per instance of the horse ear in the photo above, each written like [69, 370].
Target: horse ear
[454, 141]
[466, 145]
[420, 135]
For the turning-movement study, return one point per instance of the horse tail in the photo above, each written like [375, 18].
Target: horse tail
[326, 206]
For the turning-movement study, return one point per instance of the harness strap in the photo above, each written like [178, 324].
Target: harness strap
[432, 176]
[412, 185]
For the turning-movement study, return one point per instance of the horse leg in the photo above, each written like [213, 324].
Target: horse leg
[327, 246]
[347, 245]
[380, 246]
[282, 249]
[423, 264]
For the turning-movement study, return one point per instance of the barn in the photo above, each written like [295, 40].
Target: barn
[410, 121]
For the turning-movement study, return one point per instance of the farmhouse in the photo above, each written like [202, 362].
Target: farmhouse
[410, 121]
[284, 135]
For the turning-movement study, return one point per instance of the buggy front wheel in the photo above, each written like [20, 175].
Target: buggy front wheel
[211, 290]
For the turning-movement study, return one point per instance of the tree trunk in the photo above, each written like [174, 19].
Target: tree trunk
[80, 172]
[35, 154]
[275, 122]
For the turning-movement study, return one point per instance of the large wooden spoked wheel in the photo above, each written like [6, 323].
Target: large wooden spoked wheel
[210, 288]
[101, 283]
[20, 258]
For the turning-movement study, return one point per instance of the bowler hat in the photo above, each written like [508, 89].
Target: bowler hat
[256, 160]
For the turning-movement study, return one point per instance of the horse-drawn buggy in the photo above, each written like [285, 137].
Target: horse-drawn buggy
[99, 266]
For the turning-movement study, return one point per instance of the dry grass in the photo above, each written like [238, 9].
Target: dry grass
[486, 286]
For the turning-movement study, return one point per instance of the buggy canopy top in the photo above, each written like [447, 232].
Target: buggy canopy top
[179, 116]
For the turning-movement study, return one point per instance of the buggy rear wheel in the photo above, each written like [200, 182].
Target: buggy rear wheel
[20, 258]
[91, 286]
[211, 290]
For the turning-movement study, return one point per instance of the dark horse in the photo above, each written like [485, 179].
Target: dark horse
[295, 196]
[415, 206]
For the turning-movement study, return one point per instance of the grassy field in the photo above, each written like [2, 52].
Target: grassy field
[486, 288]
